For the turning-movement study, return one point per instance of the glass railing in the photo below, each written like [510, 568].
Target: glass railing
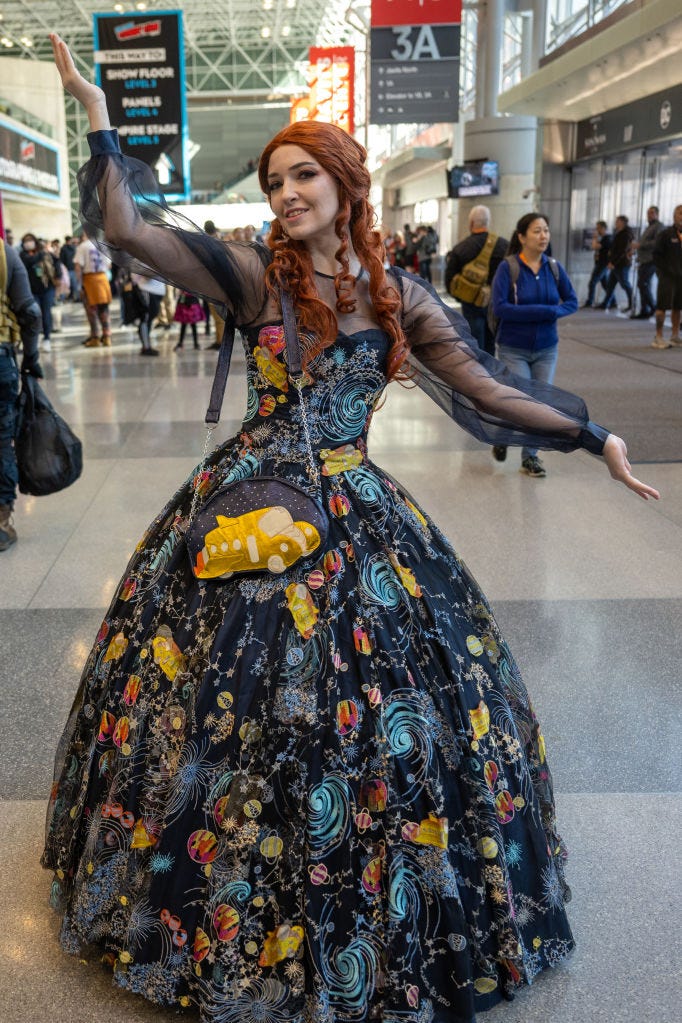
[12, 109]
[567, 19]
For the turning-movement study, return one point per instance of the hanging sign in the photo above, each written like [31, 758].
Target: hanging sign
[140, 65]
[415, 56]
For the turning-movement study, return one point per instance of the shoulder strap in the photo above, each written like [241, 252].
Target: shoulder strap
[3, 268]
[554, 267]
[294, 360]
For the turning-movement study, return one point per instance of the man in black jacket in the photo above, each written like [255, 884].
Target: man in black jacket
[20, 323]
[645, 264]
[668, 263]
[601, 243]
[620, 257]
[463, 253]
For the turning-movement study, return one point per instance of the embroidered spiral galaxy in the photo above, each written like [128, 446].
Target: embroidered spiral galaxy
[252, 402]
[409, 735]
[344, 410]
[380, 583]
[245, 467]
[403, 891]
[350, 973]
[328, 814]
[371, 492]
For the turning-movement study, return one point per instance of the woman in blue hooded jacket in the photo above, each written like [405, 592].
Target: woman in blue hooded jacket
[527, 309]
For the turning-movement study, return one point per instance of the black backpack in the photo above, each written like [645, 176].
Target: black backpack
[514, 270]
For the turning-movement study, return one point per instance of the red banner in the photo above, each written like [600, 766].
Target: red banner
[387, 13]
[331, 77]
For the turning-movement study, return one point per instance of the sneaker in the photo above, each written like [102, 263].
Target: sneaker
[149, 351]
[8, 534]
[106, 340]
[660, 342]
[533, 467]
[676, 341]
[46, 345]
[215, 347]
[92, 342]
[499, 452]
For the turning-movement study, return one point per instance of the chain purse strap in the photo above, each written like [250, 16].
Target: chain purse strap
[296, 377]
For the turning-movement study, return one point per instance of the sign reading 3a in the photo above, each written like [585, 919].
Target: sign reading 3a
[415, 47]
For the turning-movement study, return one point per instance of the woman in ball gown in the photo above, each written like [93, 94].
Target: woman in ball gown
[323, 795]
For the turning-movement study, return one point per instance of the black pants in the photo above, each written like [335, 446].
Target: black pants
[144, 328]
[9, 391]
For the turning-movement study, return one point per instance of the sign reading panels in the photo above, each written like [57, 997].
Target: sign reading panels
[140, 65]
[415, 46]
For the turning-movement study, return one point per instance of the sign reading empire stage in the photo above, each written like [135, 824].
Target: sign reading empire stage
[140, 65]
[415, 48]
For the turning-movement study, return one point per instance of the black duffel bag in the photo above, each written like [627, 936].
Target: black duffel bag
[49, 455]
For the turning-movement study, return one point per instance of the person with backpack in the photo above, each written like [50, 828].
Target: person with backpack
[530, 293]
[43, 272]
[469, 272]
[20, 323]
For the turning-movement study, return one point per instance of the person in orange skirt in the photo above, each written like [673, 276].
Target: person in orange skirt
[91, 271]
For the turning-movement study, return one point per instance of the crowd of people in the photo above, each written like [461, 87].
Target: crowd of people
[658, 255]
[75, 271]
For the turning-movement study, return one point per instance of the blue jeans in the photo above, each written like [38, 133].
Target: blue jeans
[619, 275]
[530, 365]
[477, 318]
[645, 274]
[9, 390]
[46, 300]
[599, 276]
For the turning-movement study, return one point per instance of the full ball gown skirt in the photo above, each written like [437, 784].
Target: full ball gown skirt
[319, 796]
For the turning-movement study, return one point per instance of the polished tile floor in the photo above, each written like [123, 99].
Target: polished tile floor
[586, 581]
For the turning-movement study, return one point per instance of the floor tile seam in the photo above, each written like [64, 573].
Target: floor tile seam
[29, 605]
[621, 354]
[675, 793]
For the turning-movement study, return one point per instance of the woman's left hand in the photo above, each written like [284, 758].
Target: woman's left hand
[616, 458]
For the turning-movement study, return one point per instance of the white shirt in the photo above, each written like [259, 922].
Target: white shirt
[90, 259]
[149, 284]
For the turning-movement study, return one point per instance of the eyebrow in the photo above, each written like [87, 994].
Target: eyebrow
[294, 166]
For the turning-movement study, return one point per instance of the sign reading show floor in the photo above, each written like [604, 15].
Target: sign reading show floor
[139, 61]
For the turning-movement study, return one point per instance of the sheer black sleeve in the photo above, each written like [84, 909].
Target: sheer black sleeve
[125, 214]
[478, 392]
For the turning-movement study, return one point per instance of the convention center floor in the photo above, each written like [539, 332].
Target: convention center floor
[585, 579]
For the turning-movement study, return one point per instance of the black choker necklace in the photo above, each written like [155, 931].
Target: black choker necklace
[331, 277]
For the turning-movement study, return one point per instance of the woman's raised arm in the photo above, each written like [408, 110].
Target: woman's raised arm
[125, 213]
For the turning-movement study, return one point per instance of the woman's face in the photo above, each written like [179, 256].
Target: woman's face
[536, 239]
[303, 195]
[28, 243]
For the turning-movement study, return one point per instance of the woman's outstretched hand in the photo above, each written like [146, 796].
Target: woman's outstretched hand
[89, 95]
[616, 458]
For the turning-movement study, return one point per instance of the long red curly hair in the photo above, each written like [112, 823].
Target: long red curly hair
[292, 268]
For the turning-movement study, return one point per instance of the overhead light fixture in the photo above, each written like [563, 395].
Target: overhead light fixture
[141, 6]
[291, 4]
[7, 42]
[26, 41]
[268, 5]
[286, 29]
[265, 31]
[118, 7]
